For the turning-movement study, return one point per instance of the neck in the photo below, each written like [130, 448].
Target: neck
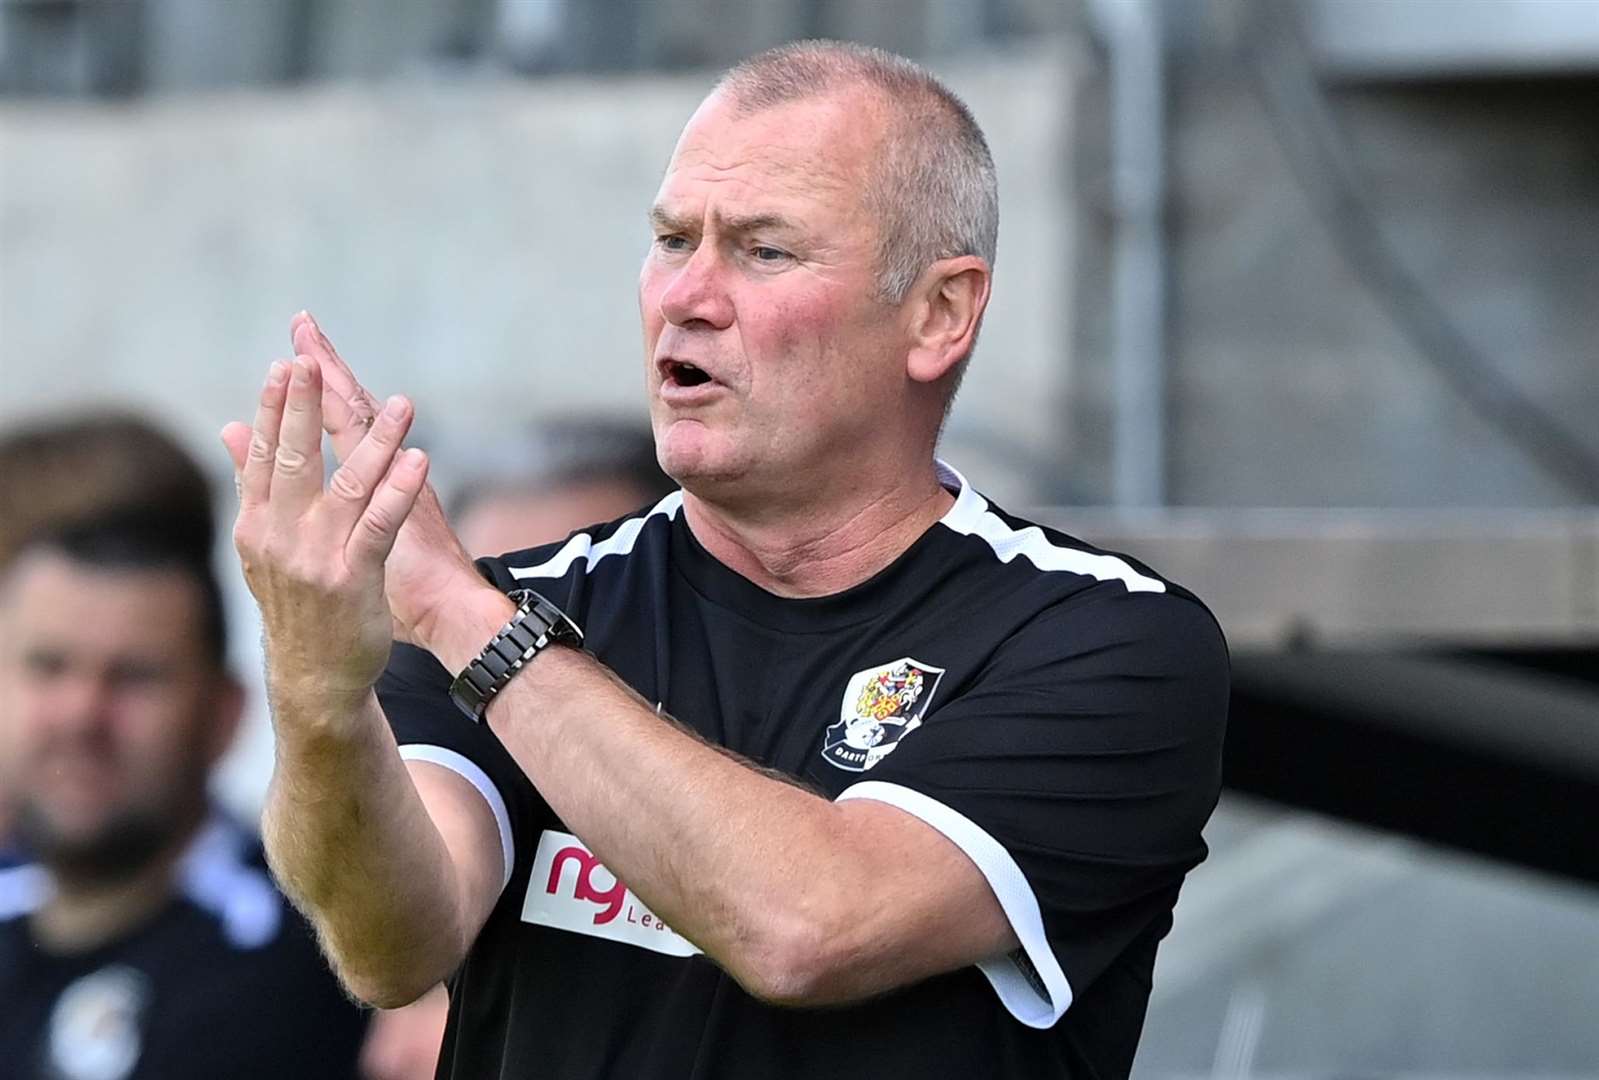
[819, 550]
[84, 913]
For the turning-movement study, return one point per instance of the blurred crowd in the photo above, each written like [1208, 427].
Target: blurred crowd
[141, 933]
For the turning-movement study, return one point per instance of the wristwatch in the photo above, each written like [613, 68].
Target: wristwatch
[536, 626]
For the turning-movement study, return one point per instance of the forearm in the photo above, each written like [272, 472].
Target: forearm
[753, 869]
[351, 841]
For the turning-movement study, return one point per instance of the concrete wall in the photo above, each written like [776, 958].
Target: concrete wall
[473, 243]
[1290, 384]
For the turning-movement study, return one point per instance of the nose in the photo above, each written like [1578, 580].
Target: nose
[696, 295]
[80, 705]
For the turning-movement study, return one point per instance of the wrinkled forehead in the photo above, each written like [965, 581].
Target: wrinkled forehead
[815, 148]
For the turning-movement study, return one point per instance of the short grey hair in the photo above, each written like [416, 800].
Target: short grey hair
[933, 192]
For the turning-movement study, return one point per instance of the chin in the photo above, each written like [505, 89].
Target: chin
[690, 453]
[112, 846]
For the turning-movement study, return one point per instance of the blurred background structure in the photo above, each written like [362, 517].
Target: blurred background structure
[1295, 299]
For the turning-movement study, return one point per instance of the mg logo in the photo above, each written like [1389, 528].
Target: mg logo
[570, 889]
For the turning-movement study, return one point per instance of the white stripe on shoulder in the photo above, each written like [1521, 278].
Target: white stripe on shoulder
[1035, 1006]
[216, 877]
[971, 516]
[583, 546]
[473, 774]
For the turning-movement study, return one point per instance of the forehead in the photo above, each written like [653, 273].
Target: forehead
[815, 150]
[47, 597]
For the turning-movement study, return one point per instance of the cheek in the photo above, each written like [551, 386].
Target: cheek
[829, 347]
[800, 338]
[162, 731]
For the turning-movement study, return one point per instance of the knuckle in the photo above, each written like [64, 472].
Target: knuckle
[377, 523]
[345, 484]
[290, 460]
[261, 449]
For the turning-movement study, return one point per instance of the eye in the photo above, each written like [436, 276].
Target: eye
[672, 242]
[763, 253]
[138, 674]
[44, 665]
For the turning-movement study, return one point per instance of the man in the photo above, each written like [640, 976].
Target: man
[843, 734]
[146, 939]
[60, 470]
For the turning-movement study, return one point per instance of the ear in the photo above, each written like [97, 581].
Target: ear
[946, 308]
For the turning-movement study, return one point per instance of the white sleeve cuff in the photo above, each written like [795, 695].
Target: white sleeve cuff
[468, 770]
[1017, 988]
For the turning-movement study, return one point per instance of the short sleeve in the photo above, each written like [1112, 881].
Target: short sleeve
[415, 695]
[1077, 771]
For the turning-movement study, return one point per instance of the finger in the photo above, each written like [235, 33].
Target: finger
[255, 470]
[353, 483]
[347, 407]
[345, 397]
[236, 440]
[373, 536]
[297, 472]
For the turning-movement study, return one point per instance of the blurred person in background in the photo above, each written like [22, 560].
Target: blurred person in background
[55, 472]
[144, 939]
[561, 474]
[848, 735]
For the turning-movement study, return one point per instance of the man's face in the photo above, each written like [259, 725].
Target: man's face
[111, 713]
[763, 277]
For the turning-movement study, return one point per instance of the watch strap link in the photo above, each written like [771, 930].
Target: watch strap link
[536, 626]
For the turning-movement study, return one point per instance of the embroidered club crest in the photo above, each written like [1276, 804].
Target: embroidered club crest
[881, 706]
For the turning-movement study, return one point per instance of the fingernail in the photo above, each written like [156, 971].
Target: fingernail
[394, 408]
[302, 370]
[414, 458]
[276, 372]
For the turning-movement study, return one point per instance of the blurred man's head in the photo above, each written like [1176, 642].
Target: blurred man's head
[115, 701]
[561, 475]
[56, 471]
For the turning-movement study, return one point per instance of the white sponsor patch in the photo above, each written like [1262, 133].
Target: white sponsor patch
[570, 890]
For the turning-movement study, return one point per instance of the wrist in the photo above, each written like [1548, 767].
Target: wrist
[457, 638]
[535, 627]
[309, 705]
[554, 678]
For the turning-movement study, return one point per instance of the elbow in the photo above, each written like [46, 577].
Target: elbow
[390, 972]
[797, 965]
[384, 990]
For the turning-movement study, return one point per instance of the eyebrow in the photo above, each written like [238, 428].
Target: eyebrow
[664, 219]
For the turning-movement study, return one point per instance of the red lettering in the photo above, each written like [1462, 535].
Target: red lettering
[583, 888]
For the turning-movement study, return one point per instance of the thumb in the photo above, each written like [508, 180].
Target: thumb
[236, 439]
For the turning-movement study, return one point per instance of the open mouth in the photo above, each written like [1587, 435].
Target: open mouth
[681, 373]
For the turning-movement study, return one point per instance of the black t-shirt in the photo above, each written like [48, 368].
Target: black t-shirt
[224, 981]
[1054, 710]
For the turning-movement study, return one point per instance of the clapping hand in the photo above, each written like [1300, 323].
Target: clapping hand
[339, 569]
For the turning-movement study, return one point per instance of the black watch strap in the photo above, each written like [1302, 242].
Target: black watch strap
[536, 626]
